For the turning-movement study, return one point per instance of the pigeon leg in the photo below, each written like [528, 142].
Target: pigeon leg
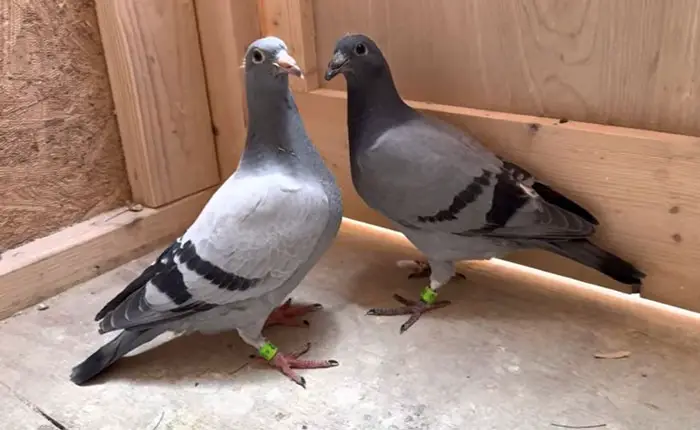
[286, 363]
[421, 269]
[443, 274]
[288, 314]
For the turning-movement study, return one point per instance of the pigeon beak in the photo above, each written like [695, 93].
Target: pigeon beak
[286, 63]
[337, 64]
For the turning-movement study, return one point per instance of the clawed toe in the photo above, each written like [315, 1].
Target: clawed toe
[414, 308]
[285, 363]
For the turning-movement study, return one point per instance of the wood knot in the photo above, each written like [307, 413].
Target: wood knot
[674, 210]
[534, 128]
[563, 121]
[677, 238]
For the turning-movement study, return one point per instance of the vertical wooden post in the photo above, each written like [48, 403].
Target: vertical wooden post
[158, 84]
[293, 22]
[226, 28]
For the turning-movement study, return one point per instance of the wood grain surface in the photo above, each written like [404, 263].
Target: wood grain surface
[293, 22]
[47, 266]
[159, 89]
[633, 63]
[226, 28]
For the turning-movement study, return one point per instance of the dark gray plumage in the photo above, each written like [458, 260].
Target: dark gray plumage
[251, 245]
[449, 195]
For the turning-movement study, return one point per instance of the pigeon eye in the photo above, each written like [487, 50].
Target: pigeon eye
[360, 49]
[258, 57]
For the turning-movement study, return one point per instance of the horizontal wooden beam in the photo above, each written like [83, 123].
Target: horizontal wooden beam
[293, 22]
[50, 265]
[158, 85]
[641, 185]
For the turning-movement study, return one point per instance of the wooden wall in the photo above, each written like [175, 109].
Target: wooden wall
[60, 155]
[639, 184]
[507, 71]
[504, 70]
[632, 63]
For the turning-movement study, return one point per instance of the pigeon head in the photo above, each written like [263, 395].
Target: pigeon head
[356, 55]
[268, 60]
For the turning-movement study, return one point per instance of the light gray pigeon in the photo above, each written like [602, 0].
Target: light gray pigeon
[449, 195]
[254, 241]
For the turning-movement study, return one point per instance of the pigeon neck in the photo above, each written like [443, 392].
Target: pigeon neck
[275, 131]
[373, 103]
[368, 94]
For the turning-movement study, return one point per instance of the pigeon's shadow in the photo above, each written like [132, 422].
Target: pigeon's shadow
[375, 278]
[199, 359]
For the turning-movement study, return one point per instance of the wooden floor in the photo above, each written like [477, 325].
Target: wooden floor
[506, 354]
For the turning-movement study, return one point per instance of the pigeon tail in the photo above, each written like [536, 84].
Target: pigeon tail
[110, 353]
[588, 254]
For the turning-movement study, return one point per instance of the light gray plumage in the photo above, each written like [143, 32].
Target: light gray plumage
[448, 194]
[254, 241]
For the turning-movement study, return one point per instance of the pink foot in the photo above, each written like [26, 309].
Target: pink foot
[414, 308]
[288, 314]
[286, 362]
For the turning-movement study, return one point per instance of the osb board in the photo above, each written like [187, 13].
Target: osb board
[60, 156]
[625, 62]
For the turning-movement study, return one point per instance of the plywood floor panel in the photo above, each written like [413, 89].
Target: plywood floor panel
[502, 356]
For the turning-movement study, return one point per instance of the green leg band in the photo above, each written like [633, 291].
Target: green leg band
[428, 295]
[268, 351]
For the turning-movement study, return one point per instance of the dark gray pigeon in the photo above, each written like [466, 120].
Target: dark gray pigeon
[449, 195]
[254, 241]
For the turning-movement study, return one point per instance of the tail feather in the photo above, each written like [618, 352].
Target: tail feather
[107, 355]
[588, 254]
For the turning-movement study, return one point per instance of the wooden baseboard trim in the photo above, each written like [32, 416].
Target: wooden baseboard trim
[47, 266]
